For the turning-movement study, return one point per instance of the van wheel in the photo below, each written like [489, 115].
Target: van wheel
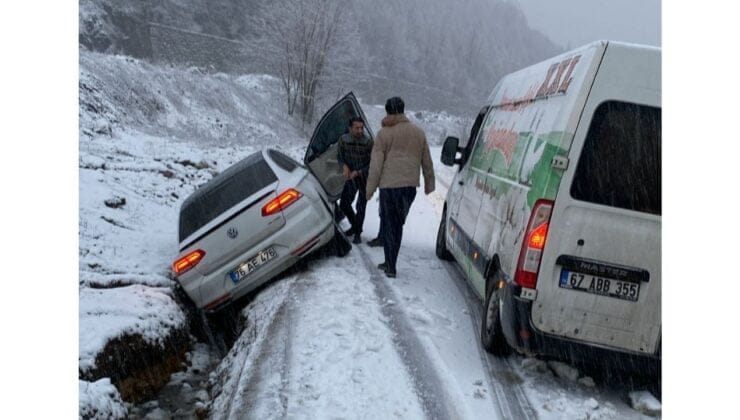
[441, 248]
[491, 333]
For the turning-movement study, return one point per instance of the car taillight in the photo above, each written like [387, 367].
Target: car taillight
[282, 201]
[187, 262]
[534, 243]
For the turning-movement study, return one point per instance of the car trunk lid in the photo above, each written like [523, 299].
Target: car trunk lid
[232, 205]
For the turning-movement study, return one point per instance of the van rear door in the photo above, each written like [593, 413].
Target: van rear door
[322, 152]
[600, 279]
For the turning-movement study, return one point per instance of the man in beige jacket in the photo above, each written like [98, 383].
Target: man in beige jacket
[399, 152]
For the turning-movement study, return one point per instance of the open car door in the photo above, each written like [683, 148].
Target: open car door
[322, 152]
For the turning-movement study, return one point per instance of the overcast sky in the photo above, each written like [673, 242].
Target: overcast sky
[576, 22]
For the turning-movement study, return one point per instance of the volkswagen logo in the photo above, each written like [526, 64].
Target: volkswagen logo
[232, 233]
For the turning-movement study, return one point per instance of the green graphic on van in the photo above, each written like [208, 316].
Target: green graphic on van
[501, 154]
[525, 160]
[541, 177]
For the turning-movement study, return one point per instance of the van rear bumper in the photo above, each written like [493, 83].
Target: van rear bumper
[520, 333]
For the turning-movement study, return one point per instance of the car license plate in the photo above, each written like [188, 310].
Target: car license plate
[625, 290]
[245, 268]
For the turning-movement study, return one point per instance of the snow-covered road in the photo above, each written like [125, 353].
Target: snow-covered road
[340, 340]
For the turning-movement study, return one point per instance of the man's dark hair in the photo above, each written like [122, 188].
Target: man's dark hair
[356, 119]
[394, 105]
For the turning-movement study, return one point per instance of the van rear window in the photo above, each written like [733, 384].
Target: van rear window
[620, 163]
[223, 192]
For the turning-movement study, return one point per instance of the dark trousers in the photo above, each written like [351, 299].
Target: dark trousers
[351, 187]
[394, 207]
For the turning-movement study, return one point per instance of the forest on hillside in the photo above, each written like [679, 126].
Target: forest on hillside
[437, 54]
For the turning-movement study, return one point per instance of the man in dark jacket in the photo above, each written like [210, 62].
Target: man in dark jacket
[355, 148]
[400, 152]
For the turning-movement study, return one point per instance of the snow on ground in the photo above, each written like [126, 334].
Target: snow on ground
[135, 242]
[318, 346]
[109, 313]
[100, 400]
[645, 402]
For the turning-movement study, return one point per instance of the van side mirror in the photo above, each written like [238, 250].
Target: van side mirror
[449, 151]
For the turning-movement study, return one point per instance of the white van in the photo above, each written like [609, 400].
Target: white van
[555, 213]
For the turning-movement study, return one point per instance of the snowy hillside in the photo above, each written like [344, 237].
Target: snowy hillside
[125, 94]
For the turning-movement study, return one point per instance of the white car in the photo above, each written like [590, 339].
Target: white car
[262, 215]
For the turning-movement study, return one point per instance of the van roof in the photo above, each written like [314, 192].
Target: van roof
[594, 50]
[624, 44]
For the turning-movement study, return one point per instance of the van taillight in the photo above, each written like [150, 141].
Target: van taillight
[187, 262]
[534, 243]
[282, 201]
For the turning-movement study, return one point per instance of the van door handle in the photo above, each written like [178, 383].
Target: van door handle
[460, 182]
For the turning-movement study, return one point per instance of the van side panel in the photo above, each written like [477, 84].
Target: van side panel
[533, 117]
[608, 238]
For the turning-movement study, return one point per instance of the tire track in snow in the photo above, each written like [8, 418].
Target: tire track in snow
[435, 401]
[273, 356]
[513, 404]
[273, 344]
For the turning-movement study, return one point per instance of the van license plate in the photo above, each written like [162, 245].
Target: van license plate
[245, 268]
[625, 290]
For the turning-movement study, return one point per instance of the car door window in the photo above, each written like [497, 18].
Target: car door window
[333, 125]
[321, 154]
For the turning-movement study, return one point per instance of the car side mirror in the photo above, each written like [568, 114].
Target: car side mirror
[449, 151]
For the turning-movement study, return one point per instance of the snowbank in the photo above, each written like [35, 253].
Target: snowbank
[106, 314]
[645, 402]
[100, 400]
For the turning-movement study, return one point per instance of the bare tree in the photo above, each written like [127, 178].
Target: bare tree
[306, 43]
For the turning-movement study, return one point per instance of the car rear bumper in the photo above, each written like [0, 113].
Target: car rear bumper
[301, 234]
[520, 333]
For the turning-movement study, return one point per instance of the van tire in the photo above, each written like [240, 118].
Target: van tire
[441, 247]
[491, 333]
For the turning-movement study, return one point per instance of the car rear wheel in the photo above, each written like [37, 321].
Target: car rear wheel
[492, 334]
[441, 247]
[339, 245]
